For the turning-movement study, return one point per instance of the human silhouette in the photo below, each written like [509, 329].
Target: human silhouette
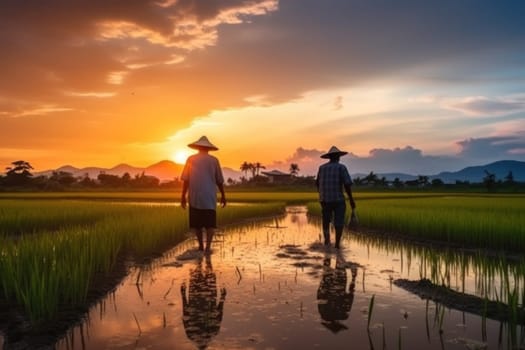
[201, 176]
[334, 302]
[332, 181]
[202, 308]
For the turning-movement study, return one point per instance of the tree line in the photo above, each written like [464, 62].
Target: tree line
[19, 176]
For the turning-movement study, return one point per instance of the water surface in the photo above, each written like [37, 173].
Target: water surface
[272, 285]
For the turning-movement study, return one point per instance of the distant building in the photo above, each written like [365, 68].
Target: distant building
[276, 176]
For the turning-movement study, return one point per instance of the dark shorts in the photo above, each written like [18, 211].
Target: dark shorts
[200, 218]
[334, 212]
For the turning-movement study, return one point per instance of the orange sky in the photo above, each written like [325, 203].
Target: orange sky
[98, 84]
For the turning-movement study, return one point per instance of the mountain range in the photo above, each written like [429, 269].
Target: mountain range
[167, 170]
[474, 174]
[164, 170]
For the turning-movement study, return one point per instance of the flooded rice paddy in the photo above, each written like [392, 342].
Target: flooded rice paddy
[272, 285]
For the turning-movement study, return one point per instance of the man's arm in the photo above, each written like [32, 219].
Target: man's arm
[348, 189]
[347, 181]
[223, 196]
[183, 194]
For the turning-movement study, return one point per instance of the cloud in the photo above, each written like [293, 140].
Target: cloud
[338, 103]
[37, 110]
[78, 45]
[307, 159]
[487, 106]
[407, 160]
[410, 160]
[380, 160]
[75, 71]
[493, 148]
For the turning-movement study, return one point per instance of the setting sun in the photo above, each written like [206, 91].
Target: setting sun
[181, 155]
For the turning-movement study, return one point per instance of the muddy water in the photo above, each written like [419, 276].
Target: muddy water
[272, 285]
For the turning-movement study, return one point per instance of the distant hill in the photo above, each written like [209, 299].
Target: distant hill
[476, 173]
[167, 170]
[164, 170]
[93, 172]
[229, 173]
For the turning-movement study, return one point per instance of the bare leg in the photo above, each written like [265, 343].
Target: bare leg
[326, 218]
[326, 234]
[198, 233]
[209, 238]
[338, 234]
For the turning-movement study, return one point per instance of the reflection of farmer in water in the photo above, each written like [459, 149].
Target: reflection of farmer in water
[202, 314]
[334, 302]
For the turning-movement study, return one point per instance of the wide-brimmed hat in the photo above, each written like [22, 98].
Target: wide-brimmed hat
[203, 142]
[334, 151]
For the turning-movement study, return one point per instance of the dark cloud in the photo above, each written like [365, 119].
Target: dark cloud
[315, 44]
[52, 46]
[493, 148]
[64, 55]
[407, 160]
[410, 160]
[307, 159]
[56, 45]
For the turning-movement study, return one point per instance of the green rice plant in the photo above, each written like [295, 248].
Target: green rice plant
[370, 309]
[50, 269]
[167, 197]
[500, 277]
[28, 216]
[497, 222]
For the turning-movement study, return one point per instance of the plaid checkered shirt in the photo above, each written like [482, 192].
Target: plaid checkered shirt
[331, 178]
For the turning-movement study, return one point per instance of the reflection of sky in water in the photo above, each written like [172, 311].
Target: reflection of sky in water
[174, 203]
[280, 288]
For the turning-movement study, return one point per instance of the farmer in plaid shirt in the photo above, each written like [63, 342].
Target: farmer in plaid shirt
[332, 179]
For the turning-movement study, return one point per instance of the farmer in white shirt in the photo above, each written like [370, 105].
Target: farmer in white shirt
[201, 177]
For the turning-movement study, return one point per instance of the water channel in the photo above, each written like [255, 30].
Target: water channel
[272, 285]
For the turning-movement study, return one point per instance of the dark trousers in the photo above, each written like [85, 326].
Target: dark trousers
[333, 212]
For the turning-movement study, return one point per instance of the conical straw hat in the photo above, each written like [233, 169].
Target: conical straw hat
[334, 151]
[203, 142]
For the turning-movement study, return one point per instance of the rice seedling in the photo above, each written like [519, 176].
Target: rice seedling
[370, 309]
[497, 222]
[20, 216]
[498, 278]
[46, 270]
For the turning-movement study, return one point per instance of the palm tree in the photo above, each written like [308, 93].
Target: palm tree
[252, 169]
[371, 178]
[294, 169]
[19, 173]
[489, 181]
[20, 167]
[258, 166]
[509, 179]
[423, 180]
[397, 183]
[245, 167]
